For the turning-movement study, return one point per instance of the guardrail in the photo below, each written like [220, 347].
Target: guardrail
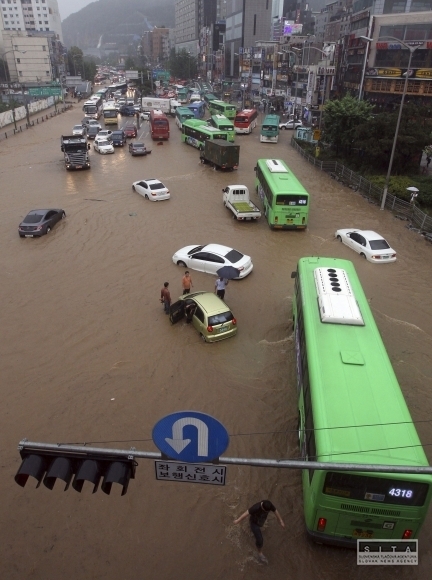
[419, 221]
[20, 126]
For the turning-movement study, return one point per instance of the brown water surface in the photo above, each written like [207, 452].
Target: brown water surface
[87, 355]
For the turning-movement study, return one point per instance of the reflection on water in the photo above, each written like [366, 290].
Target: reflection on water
[87, 355]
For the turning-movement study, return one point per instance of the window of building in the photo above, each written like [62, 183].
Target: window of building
[18, 60]
[394, 6]
[20, 73]
[381, 85]
[254, 25]
[44, 48]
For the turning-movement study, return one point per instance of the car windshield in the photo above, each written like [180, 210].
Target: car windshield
[220, 318]
[33, 218]
[379, 244]
[78, 128]
[197, 249]
[233, 256]
[157, 185]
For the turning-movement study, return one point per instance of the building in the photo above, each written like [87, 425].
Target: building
[191, 16]
[31, 15]
[33, 57]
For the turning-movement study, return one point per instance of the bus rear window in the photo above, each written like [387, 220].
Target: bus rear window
[292, 200]
[240, 119]
[376, 489]
[221, 136]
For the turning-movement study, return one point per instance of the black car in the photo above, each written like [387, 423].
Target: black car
[39, 222]
[138, 149]
[127, 111]
[118, 138]
[92, 131]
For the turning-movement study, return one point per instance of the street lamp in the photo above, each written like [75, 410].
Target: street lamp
[411, 49]
[368, 41]
[4, 65]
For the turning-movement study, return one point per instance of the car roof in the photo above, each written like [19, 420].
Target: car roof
[152, 180]
[140, 145]
[217, 249]
[209, 302]
[368, 234]
[41, 211]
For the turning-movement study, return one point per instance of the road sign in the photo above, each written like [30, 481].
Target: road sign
[190, 436]
[44, 91]
[190, 473]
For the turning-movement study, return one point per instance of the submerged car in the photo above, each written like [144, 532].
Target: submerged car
[211, 317]
[86, 122]
[79, 130]
[151, 189]
[211, 258]
[370, 245]
[92, 131]
[103, 147]
[138, 149]
[39, 222]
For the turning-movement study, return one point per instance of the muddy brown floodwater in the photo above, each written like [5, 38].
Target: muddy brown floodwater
[87, 355]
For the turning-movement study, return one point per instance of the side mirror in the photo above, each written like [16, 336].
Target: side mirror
[293, 274]
[255, 168]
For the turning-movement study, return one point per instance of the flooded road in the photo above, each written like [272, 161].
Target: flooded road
[87, 355]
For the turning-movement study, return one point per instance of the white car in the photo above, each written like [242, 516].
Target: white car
[368, 244]
[104, 147]
[145, 115]
[93, 123]
[290, 124]
[104, 135]
[151, 189]
[211, 258]
[79, 130]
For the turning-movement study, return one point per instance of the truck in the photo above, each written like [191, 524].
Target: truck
[236, 198]
[220, 154]
[75, 151]
[167, 106]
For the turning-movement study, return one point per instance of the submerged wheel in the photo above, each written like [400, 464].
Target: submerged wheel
[363, 255]
[181, 263]
[339, 238]
[146, 196]
[63, 215]
[48, 230]
[202, 337]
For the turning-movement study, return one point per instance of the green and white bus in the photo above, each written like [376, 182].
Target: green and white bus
[351, 410]
[223, 124]
[270, 129]
[196, 132]
[182, 114]
[221, 108]
[285, 200]
[209, 97]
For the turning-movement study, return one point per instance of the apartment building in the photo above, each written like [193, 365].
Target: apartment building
[31, 15]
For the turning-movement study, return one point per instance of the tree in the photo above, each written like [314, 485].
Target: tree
[375, 139]
[341, 119]
[75, 61]
[130, 63]
[182, 64]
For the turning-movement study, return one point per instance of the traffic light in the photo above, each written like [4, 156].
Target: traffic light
[49, 465]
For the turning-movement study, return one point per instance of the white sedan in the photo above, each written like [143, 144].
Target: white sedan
[368, 244]
[211, 258]
[79, 130]
[104, 135]
[104, 147]
[290, 124]
[151, 189]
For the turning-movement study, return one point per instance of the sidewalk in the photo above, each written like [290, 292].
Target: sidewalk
[40, 117]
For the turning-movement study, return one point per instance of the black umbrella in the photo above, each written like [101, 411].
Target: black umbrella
[228, 272]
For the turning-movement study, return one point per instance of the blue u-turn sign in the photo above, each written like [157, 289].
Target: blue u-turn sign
[190, 436]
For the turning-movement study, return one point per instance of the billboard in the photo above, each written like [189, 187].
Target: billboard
[290, 28]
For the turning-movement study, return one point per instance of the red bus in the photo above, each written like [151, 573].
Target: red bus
[159, 125]
[245, 121]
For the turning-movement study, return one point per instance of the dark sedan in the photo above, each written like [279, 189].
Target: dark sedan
[39, 222]
[127, 111]
[92, 131]
[138, 149]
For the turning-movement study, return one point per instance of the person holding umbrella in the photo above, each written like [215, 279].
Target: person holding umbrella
[225, 274]
[220, 286]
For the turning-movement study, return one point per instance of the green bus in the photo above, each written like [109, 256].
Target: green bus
[270, 129]
[221, 108]
[196, 132]
[223, 124]
[285, 200]
[209, 97]
[183, 114]
[351, 410]
[182, 95]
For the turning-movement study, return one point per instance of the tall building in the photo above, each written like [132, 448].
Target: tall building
[191, 16]
[31, 15]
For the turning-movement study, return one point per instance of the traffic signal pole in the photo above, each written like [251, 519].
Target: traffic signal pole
[48, 462]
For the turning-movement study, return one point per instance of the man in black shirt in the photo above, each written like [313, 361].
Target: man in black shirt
[257, 516]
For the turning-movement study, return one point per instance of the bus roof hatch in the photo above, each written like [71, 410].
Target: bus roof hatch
[336, 301]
